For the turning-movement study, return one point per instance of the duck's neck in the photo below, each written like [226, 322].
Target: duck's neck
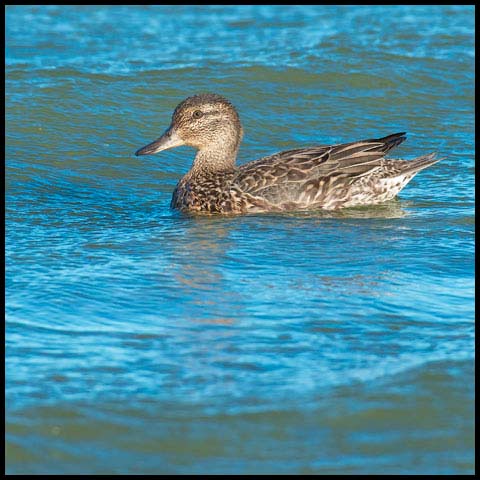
[213, 160]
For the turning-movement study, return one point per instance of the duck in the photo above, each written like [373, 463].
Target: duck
[327, 177]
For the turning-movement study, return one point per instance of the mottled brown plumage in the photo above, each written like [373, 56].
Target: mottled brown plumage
[327, 177]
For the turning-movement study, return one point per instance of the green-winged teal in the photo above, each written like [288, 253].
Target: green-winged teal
[327, 177]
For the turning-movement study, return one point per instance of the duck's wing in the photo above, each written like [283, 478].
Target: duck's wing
[283, 176]
[290, 165]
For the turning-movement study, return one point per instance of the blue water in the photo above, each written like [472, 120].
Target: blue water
[142, 340]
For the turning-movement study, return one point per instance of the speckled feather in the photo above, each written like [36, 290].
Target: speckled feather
[319, 177]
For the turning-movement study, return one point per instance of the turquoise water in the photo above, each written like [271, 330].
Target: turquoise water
[141, 340]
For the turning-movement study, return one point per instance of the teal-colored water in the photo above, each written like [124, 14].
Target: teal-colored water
[141, 340]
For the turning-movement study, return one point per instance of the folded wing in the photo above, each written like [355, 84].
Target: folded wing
[286, 177]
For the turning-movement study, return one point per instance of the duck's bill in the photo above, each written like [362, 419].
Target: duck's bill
[168, 140]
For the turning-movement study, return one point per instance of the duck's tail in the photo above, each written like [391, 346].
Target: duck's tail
[419, 163]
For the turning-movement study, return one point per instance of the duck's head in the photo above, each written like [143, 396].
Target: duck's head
[207, 122]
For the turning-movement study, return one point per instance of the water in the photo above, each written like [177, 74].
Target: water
[141, 340]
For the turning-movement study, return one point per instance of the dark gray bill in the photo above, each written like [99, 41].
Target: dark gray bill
[168, 140]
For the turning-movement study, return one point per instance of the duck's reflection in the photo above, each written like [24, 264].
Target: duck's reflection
[199, 269]
[213, 249]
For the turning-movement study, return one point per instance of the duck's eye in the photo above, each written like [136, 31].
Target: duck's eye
[197, 114]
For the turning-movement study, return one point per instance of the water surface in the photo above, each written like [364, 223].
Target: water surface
[141, 340]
